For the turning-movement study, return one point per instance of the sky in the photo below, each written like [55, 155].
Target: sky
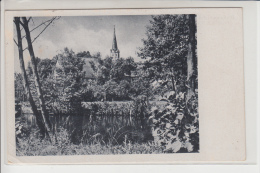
[88, 33]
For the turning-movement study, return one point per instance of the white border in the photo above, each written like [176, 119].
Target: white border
[251, 63]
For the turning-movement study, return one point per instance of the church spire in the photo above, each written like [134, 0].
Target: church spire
[114, 52]
[114, 44]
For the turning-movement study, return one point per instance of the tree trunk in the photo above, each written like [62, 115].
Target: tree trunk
[174, 82]
[174, 85]
[36, 76]
[191, 58]
[39, 119]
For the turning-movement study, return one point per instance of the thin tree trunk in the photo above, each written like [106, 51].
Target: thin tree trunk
[174, 85]
[39, 119]
[36, 76]
[191, 58]
[174, 82]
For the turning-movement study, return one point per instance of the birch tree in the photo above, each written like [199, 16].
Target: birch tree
[35, 74]
[42, 117]
[191, 58]
[39, 118]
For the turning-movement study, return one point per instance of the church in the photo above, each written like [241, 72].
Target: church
[114, 53]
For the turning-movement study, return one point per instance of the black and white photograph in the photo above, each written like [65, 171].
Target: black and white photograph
[106, 85]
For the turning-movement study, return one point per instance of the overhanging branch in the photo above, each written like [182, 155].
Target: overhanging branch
[40, 25]
[50, 21]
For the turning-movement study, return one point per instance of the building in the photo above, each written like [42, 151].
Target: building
[114, 52]
[89, 72]
[88, 59]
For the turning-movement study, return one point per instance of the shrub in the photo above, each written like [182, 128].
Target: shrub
[175, 126]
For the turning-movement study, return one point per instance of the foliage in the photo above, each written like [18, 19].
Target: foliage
[32, 146]
[141, 85]
[19, 87]
[116, 70]
[45, 67]
[21, 130]
[166, 48]
[84, 54]
[117, 80]
[63, 88]
[176, 125]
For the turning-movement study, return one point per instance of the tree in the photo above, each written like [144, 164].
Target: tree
[20, 94]
[129, 66]
[166, 48]
[117, 70]
[114, 77]
[140, 84]
[45, 115]
[191, 58]
[39, 118]
[170, 50]
[45, 67]
[84, 54]
[69, 85]
[69, 81]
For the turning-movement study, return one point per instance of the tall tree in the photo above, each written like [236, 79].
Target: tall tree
[191, 57]
[69, 81]
[165, 48]
[36, 76]
[39, 118]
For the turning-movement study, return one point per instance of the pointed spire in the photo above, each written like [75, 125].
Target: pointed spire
[114, 52]
[114, 44]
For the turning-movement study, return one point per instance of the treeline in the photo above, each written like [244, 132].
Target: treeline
[64, 78]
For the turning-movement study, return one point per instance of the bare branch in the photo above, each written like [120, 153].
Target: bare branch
[41, 25]
[43, 30]
[15, 42]
[33, 21]
[29, 19]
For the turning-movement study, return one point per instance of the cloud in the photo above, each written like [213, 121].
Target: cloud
[77, 39]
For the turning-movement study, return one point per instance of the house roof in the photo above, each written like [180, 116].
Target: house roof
[89, 72]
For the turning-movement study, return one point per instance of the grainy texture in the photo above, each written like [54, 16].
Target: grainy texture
[215, 108]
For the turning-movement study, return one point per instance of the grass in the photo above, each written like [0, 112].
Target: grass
[31, 146]
[92, 149]
[114, 131]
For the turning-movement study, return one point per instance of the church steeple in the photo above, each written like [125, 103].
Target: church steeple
[114, 52]
[114, 44]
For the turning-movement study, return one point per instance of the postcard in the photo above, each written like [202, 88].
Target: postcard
[125, 86]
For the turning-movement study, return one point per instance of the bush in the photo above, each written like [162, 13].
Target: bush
[176, 125]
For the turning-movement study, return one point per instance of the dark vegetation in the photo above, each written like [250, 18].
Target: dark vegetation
[125, 107]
